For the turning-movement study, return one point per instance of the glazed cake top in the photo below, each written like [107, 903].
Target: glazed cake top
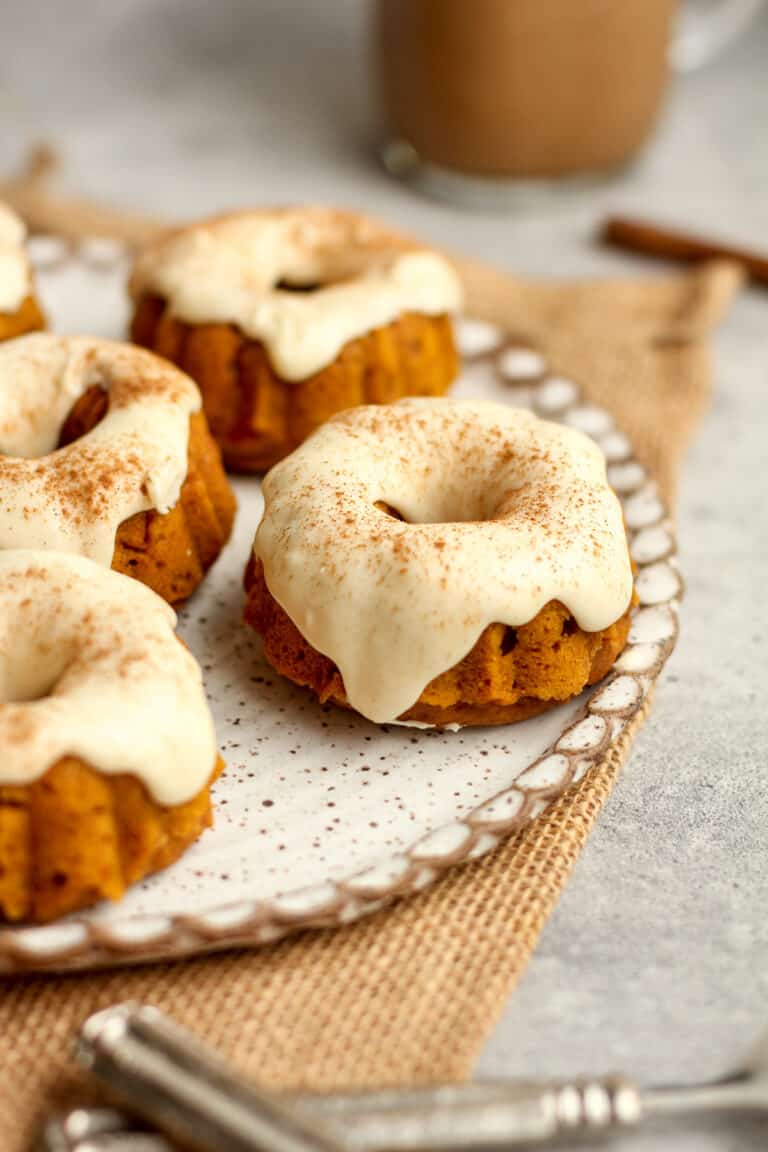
[90, 667]
[74, 499]
[239, 269]
[502, 513]
[15, 276]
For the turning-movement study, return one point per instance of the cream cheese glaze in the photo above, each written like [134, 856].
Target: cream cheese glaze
[15, 276]
[230, 269]
[503, 512]
[90, 667]
[74, 499]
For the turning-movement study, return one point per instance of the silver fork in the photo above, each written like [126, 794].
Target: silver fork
[163, 1074]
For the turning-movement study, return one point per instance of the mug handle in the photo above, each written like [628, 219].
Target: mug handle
[701, 36]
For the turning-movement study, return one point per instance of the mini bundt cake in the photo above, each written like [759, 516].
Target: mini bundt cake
[285, 317]
[104, 452]
[19, 309]
[441, 563]
[108, 747]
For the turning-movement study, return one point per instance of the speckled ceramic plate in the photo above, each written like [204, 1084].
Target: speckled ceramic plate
[321, 816]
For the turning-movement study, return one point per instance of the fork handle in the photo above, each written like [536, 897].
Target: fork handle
[481, 1114]
[166, 1076]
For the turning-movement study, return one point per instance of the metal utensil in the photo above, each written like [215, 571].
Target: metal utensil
[99, 1130]
[495, 1112]
[166, 1076]
[163, 1074]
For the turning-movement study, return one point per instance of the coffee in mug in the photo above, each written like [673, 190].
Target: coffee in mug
[522, 88]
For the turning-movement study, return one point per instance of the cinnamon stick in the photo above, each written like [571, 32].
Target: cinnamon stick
[672, 244]
[44, 211]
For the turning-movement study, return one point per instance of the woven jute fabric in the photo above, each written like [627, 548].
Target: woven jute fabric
[408, 995]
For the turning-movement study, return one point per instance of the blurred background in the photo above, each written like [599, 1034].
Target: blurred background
[183, 106]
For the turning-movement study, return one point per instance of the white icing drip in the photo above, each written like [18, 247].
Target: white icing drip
[74, 499]
[90, 667]
[15, 276]
[505, 513]
[228, 270]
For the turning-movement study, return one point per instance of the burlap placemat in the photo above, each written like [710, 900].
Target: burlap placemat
[409, 995]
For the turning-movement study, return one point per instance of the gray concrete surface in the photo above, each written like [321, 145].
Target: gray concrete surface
[656, 960]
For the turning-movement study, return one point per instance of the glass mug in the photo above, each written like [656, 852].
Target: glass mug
[483, 98]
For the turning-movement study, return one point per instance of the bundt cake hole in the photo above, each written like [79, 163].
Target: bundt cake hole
[84, 415]
[388, 510]
[294, 286]
[304, 287]
[453, 507]
[454, 515]
[37, 665]
[38, 687]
